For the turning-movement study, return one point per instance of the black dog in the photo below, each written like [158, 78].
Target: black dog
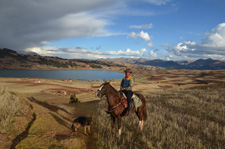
[82, 121]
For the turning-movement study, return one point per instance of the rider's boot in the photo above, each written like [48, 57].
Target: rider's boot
[130, 108]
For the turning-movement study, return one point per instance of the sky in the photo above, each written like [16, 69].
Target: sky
[93, 29]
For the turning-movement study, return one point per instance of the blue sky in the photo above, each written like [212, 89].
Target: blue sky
[153, 29]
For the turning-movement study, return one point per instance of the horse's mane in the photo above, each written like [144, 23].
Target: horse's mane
[113, 88]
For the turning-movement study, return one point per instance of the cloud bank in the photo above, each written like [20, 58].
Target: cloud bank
[80, 52]
[212, 46]
[33, 23]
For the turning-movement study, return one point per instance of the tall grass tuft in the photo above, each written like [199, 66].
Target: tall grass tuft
[10, 106]
[191, 118]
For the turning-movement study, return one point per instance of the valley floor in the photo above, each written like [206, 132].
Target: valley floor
[166, 91]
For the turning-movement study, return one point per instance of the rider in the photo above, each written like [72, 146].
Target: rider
[126, 87]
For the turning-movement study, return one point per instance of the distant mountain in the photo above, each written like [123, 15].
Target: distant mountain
[207, 64]
[10, 59]
[200, 64]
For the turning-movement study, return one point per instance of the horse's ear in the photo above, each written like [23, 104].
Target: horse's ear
[105, 81]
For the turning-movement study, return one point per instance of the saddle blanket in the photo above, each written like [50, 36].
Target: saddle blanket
[137, 101]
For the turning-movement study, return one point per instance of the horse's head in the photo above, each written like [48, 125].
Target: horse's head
[102, 90]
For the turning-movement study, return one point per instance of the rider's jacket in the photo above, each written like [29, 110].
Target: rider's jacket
[127, 83]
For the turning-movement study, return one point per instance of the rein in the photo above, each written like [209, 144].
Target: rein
[111, 109]
[114, 107]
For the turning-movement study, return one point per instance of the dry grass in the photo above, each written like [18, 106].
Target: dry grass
[191, 118]
[11, 106]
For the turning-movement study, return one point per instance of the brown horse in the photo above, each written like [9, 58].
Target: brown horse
[116, 108]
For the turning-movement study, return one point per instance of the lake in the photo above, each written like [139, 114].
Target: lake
[92, 75]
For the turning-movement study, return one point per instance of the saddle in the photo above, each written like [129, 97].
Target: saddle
[123, 99]
[135, 100]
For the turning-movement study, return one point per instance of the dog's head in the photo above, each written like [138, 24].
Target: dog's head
[89, 120]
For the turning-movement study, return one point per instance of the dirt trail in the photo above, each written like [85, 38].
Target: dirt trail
[51, 127]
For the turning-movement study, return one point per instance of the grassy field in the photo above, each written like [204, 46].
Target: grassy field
[189, 118]
[186, 109]
[15, 116]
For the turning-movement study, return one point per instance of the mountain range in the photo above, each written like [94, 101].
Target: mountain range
[199, 64]
[10, 59]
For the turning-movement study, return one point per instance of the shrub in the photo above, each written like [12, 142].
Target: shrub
[74, 99]
[95, 66]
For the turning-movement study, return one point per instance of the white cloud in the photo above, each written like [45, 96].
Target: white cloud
[145, 26]
[142, 34]
[150, 45]
[79, 52]
[212, 46]
[215, 38]
[157, 2]
[153, 54]
[133, 35]
[143, 50]
[45, 51]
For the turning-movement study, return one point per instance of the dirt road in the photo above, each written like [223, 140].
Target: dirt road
[51, 126]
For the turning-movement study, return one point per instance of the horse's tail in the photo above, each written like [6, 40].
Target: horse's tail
[144, 110]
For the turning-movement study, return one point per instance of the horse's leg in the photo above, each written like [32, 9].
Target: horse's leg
[139, 124]
[141, 121]
[119, 124]
[139, 117]
[113, 119]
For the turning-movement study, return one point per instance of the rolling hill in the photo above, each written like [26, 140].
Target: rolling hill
[10, 59]
[200, 64]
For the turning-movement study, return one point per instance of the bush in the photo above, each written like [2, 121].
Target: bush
[74, 99]
[95, 66]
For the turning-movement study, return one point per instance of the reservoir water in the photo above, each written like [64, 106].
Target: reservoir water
[92, 75]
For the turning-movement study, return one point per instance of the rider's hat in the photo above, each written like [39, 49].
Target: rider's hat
[127, 70]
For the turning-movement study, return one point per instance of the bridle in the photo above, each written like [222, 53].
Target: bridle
[111, 108]
[99, 91]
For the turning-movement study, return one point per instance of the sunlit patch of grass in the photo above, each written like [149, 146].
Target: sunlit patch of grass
[191, 118]
[11, 106]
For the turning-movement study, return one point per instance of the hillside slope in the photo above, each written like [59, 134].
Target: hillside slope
[200, 64]
[28, 122]
[10, 59]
